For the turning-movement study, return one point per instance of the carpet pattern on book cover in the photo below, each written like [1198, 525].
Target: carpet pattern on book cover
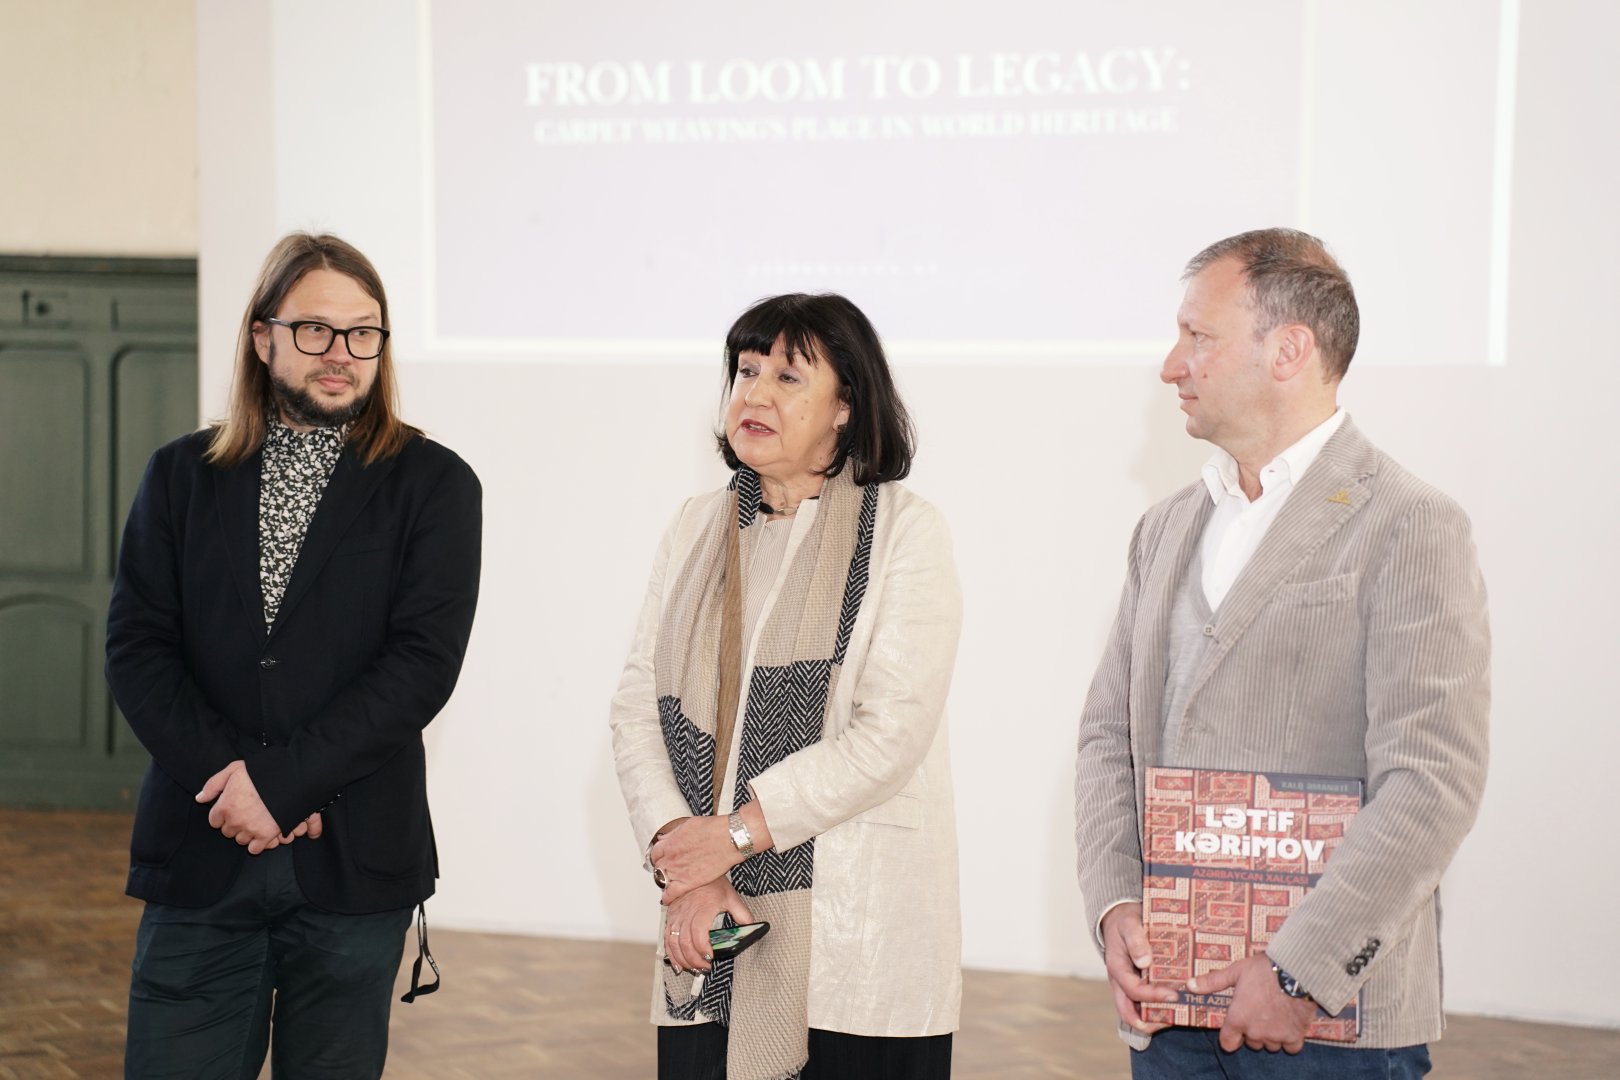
[1234, 917]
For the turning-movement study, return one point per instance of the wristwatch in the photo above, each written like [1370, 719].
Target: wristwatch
[1289, 985]
[740, 837]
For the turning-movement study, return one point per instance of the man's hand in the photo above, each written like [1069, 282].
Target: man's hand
[310, 827]
[686, 926]
[694, 853]
[1261, 1016]
[240, 814]
[1126, 955]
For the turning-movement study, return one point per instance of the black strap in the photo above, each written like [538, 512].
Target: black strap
[422, 953]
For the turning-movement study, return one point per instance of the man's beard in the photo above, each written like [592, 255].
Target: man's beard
[300, 407]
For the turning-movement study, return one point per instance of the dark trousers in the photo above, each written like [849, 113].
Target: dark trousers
[210, 985]
[1196, 1054]
[698, 1052]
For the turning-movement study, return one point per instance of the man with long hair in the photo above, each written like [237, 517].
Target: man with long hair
[295, 590]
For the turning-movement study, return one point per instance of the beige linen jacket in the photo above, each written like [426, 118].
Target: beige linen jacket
[1355, 643]
[875, 792]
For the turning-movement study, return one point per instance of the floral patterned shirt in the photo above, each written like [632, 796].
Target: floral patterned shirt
[295, 472]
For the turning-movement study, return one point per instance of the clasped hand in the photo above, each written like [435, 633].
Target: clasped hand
[688, 921]
[241, 815]
[693, 852]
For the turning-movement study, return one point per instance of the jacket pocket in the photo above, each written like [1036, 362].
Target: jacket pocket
[388, 818]
[904, 810]
[361, 543]
[1329, 590]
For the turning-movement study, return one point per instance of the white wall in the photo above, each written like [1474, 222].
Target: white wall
[99, 127]
[583, 463]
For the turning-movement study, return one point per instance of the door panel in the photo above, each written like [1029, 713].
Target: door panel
[98, 368]
[154, 401]
[43, 474]
[45, 675]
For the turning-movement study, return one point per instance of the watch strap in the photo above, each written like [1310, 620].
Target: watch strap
[1289, 985]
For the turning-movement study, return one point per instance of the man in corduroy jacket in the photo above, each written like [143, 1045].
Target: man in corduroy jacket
[1307, 606]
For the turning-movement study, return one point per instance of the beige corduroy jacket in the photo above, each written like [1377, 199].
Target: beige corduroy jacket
[1355, 643]
[875, 792]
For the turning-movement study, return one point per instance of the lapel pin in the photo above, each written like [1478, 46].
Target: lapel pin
[1341, 496]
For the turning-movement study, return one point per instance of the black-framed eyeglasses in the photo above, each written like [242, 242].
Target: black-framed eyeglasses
[315, 338]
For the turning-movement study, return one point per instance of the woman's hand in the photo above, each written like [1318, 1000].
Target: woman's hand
[695, 852]
[687, 924]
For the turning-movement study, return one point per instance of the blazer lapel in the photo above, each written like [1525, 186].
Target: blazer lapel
[1330, 494]
[346, 494]
[236, 492]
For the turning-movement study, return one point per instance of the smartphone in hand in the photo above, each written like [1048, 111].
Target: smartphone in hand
[729, 941]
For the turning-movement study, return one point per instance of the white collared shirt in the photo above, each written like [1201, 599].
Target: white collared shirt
[1237, 526]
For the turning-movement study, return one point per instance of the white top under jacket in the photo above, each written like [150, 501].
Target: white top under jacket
[1236, 526]
[875, 792]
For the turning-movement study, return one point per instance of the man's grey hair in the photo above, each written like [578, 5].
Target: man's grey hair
[1294, 279]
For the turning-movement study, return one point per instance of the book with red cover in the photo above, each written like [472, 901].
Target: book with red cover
[1227, 855]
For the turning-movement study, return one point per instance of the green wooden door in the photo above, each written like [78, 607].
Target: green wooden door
[98, 368]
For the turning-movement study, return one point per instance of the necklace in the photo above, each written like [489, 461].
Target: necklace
[770, 511]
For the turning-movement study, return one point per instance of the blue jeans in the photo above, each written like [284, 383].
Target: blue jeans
[1196, 1054]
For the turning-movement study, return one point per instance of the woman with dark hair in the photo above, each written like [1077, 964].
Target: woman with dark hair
[779, 730]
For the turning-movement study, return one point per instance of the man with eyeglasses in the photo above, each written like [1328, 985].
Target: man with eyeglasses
[295, 590]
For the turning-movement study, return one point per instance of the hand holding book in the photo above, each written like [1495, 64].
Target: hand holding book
[1260, 1016]
[1128, 956]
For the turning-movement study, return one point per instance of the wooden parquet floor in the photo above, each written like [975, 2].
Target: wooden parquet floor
[554, 1009]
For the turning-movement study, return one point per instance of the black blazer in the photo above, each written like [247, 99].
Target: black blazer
[328, 707]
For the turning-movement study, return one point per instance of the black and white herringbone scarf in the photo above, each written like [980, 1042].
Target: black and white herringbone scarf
[761, 996]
